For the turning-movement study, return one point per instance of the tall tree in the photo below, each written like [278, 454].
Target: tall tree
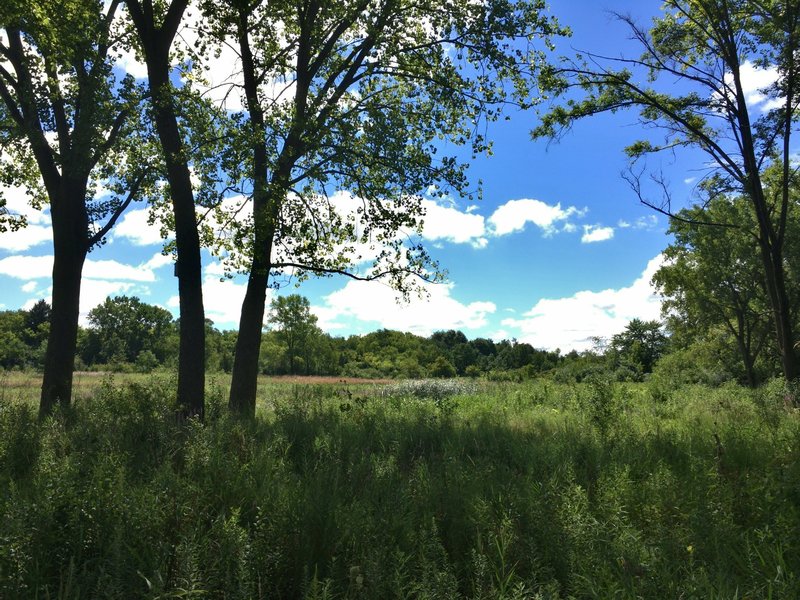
[63, 115]
[297, 328]
[713, 276]
[356, 95]
[639, 345]
[156, 26]
[122, 327]
[708, 47]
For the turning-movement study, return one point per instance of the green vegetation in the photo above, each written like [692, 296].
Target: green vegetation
[537, 490]
[694, 93]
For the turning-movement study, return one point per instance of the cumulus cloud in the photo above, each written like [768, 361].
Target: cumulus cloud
[115, 270]
[25, 238]
[37, 230]
[596, 233]
[515, 214]
[95, 291]
[569, 323]
[377, 304]
[755, 80]
[222, 298]
[27, 267]
[101, 278]
[450, 224]
[135, 228]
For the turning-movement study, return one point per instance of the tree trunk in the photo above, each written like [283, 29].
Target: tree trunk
[782, 314]
[70, 227]
[191, 353]
[244, 378]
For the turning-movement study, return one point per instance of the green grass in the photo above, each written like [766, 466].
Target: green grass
[487, 491]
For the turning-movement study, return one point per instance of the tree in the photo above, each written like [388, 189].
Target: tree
[714, 276]
[296, 327]
[156, 26]
[364, 92]
[696, 57]
[63, 116]
[639, 346]
[13, 350]
[123, 327]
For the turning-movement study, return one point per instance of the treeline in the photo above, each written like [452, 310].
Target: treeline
[126, 334]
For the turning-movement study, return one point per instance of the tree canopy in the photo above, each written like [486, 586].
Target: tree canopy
[688, 84]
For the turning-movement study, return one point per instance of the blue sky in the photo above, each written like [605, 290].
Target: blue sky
[558, 250]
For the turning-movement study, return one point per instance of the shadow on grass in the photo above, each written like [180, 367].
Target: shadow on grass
[493, 495]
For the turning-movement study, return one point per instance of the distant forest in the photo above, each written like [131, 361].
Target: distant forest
[127, 335]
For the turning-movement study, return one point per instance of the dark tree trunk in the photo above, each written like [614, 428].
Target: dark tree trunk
[191, 353]
[770, 239]
[771, 247]
[781, 312]
[156, 41]
[244, 378]
[70, 229]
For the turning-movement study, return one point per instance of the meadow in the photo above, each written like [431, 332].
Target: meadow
[446, 489]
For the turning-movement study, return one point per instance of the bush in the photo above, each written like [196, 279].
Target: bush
[441, 368]
[146, 362]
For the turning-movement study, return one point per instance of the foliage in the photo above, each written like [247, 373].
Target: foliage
[123, 327]
[639, 346]
[713, 279]
[689, 84]
[296, 327]
[23, 335]
[513, 491]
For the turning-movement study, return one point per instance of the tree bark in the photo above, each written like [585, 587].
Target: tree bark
[191, 353]
[779, 302]
[70, 226]
[244, 377]
[156, 42]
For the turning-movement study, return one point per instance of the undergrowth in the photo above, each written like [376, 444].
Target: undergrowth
[515, 491]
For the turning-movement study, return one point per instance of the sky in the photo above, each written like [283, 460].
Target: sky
[558, 250]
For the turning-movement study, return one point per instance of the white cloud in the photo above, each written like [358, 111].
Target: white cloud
[25, 238]
[27, 267]
[515, 214]
[449, 223]
[95, 291]
[222, 299]
[157, 261]
[648, 223]
[115, 270]
[29, 287]
[376, 303]
[596, 233]
[135, 228]
[754, 80]
[569, 323]
[37, 230]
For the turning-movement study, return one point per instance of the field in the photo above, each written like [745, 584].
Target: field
[450, 489]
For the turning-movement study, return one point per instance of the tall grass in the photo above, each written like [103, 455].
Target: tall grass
[509, 491]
